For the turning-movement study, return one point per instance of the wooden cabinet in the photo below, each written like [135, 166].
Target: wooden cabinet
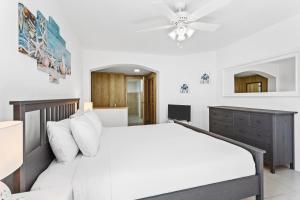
[272, 131]
[100, 89]
[108, 89]
[117, 92]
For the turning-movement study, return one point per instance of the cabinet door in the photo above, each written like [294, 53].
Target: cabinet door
[100, 89]
[117, 87]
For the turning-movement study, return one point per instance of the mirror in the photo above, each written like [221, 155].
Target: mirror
[268, 77]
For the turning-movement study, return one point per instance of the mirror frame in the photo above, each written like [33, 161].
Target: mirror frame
[264, 94]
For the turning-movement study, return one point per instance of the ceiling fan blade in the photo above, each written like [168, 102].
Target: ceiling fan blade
[155, 28]
[165, 9]
[204, 26]
[208, 8]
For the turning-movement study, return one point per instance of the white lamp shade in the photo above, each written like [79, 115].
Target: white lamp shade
[11, 147]
[88, 106]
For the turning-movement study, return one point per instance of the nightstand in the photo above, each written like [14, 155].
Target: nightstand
[49, 194]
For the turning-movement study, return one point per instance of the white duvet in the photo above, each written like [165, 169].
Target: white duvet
[143, 161]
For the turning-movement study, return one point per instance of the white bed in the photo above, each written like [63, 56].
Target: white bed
[142, 161]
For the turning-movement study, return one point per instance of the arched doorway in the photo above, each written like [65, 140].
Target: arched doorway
[129, 86]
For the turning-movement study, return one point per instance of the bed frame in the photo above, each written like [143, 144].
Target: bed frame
[38, 159]
[37, 154]
[228, 190]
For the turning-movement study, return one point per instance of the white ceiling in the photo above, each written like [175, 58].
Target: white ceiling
[112, 24]
[127, 69]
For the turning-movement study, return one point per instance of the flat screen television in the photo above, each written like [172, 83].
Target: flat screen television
[179, 112]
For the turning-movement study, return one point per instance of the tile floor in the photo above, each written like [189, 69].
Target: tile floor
[284, 185]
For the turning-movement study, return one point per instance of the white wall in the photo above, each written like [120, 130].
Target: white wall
[19, 77]
[172, 72]
[277, 40]
[286, 72]
[272, 84]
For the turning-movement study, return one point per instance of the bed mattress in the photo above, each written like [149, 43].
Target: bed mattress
[143, 161]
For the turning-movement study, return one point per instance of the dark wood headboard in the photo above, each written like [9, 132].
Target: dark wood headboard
[39, 155]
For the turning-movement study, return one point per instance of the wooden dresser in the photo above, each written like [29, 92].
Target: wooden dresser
[270, 130]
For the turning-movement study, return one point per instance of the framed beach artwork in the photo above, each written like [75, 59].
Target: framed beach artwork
[54, 77]
[40, 39]
[27, 31]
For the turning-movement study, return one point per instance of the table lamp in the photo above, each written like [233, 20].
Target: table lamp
[11, 152]
[88, 106]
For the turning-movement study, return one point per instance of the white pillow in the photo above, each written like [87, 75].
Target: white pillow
[93, 117]
[61, 140]
[85, 135]
[78, 113]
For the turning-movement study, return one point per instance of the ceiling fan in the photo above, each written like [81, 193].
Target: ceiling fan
[185, 24]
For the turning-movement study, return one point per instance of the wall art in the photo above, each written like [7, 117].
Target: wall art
[40, 39]
[184, 89]
[205, 78]
[27, 32]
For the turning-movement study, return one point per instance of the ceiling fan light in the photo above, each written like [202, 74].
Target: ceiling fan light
[173, 35]
[190, 32]
[181, 30]
[181, 38]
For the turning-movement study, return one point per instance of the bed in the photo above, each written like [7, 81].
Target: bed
[154, 162]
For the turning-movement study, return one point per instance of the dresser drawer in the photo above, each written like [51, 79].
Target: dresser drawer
[256, 143]
[218, 122]
[258, 136]
[222, 129]
[262, 133]
[224, 115]
[261, 121]
[241, 119]
[242, 131]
